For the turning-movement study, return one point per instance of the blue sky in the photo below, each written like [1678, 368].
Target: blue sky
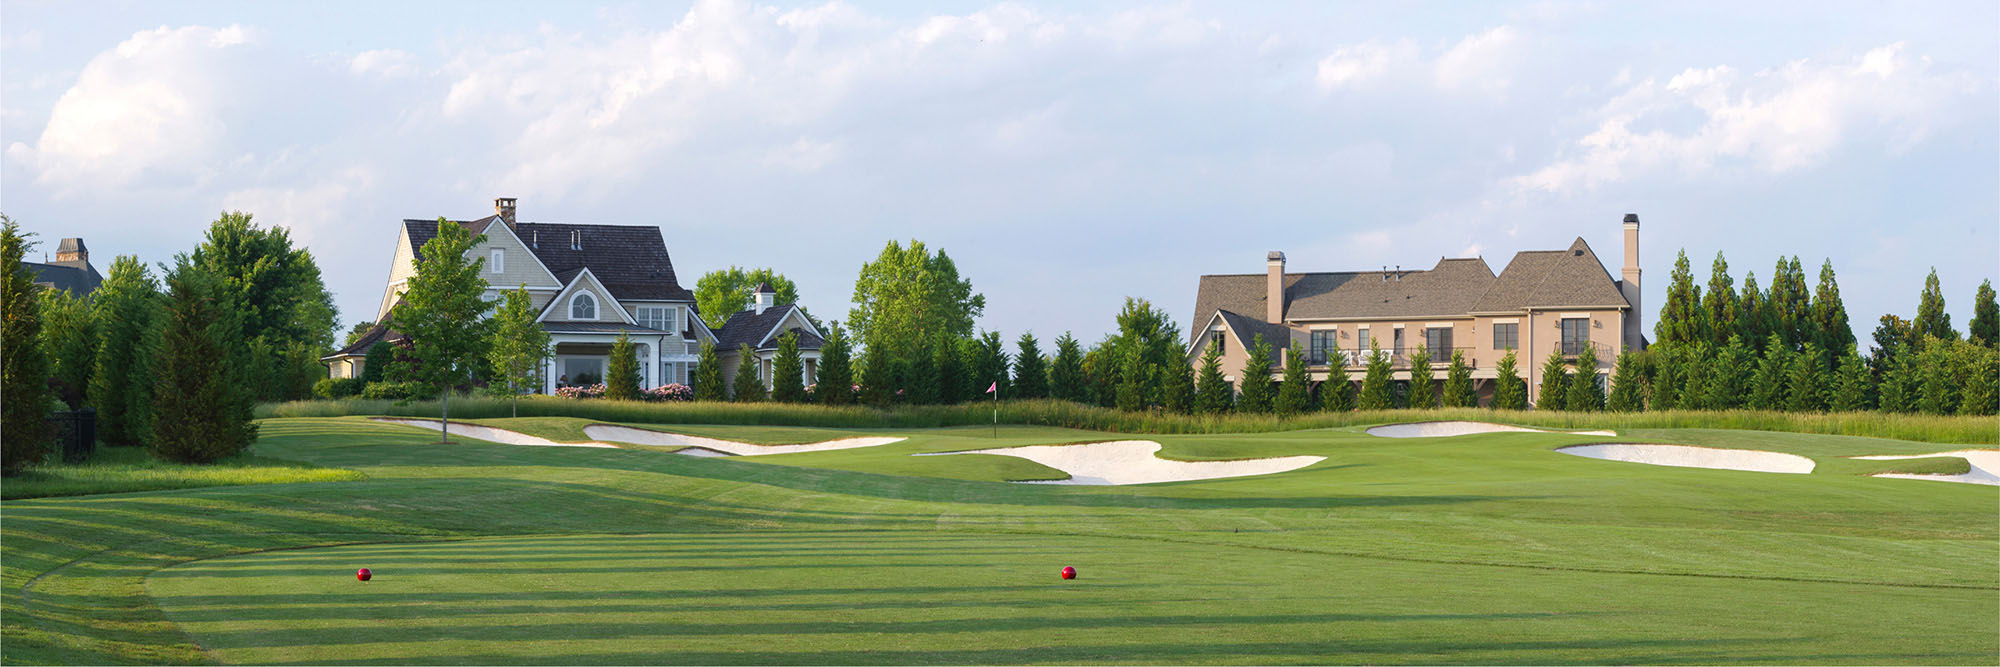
[1066, 156]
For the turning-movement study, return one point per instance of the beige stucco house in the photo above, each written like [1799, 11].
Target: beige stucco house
[1542, 301]
[591, 283]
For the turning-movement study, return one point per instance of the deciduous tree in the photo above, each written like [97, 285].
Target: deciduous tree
[517, 350]
[276, 295]
[724, 292]
[441, 313]
[908, 297]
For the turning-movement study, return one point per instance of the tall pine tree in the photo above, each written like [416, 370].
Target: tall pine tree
[1720, 302]
[1985, 327]
[1423, 387]
[1853, 388]
[1767, 386]
[1178, 390]
[747, 387]
[1753, 315]
[1510, 392]
[788, 371]
[1066, 380]
[1554, 390]
[1625, 385]
[1296, 390]
[1681, 318]
[1790, 304]
[199, 375]
[1829, 314]
[129, 306]
[1212, 393]
[1458, 383]
[1257, 392]
[1729, 375]
[708, 382]
[953, 385]
[1805, 380]
[835, 384]
[1031, 371]
[1932, 320]
[1585, 394]
[24, 369]
[1377, 383]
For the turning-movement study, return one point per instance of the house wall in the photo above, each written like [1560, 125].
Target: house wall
[520, 268]
[1606, 330]
[607, 307]
[1349, 341]
[401, 267]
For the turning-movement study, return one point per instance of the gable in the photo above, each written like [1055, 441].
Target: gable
[521, 266]
[584, 282]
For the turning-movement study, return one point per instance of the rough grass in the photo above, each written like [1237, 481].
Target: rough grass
[1922, 428]
[126, 469]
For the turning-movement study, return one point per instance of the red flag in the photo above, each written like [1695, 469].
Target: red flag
[994, 388]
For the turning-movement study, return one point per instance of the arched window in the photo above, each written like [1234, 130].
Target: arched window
[583, 306]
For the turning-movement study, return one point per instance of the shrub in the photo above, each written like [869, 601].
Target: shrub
[581, 391]
[25, 367]
[748, 387]
[1422, 386]
[376, 364]
[669, 392]
[199, 378]
[338, 387]
[622, 381]
[399, 391]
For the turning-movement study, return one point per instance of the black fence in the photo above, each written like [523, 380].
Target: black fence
[76, 432]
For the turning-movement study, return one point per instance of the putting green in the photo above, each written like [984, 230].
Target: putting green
[868, 597]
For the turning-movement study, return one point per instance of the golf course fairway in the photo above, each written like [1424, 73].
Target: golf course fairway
[1483, 548]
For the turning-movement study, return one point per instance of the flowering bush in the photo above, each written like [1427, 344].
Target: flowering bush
[589, 391]
[669, 392]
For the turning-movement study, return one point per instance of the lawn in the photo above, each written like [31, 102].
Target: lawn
[1475, 549]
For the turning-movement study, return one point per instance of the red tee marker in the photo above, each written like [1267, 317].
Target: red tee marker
[1069, 573]
[363, 574]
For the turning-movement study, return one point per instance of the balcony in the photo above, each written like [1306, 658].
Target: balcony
[1398, 359]
[1575, 347]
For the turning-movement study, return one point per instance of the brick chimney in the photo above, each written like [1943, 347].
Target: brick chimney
[504, 207]
[1274, 287]
[1629, 282]
[72, 250]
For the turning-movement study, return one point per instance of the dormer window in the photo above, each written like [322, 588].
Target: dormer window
[499, 261]
[583, 306]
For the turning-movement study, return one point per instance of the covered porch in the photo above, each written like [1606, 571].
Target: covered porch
[582, 358]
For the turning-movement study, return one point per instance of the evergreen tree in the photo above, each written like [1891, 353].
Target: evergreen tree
[1805, 380]
[1100, 376]
[920, 386]
[69, 342]
[1900, 384]
[1979, 368]
[836, 369]
[1179, 389]
[878, 376]
[1377, 390]
[1937, 392]
[1066, 380]
[1767, 386]
[788, 371]
[1585, 394]
[1852, 385]
[990, 367]
[199, 380]
[1669, 377]
[518, 348]
[1625, 379]
[708, 383]
[1422, 387]
[621, 372]
[1985, 327]
[953, 385]
[1829, 314]
[1213, 395]
[1510, 392]
[1296, 391]
[24, 369]
[1554, 390]
[1932, 320]
[747, 388]
[1681, 318]
[1753, 315]
[1729, 383]
[1720, 303]
[1031, 371]
[128, 305]
[1790, 304]
[380, 357]
[1256, 392]
[1458, 383]
[1132, 381]
[1697, 368]
[443, 314]
[1336, 394]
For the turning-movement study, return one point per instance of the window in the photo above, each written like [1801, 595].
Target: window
[1220, 341]
[499, 261]
[1506, 336]
[1438, 339]
[1323, 342]
[655, 317]
[1399, 341]
[583, 306]
[1575, 335]
[693, 347]
[1361, 339]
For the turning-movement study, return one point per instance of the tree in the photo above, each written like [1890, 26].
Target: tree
[1152, 332]
[1897, 391]
[1932, 320]
[989, 367]
[1829, 315]
[441, 314]
[1696, 364]
[1132, 382]
[1296, 390]
[722, 293]
[69, 342]
[1100, 372]
[1510, 392]
[1681, 317]
[1853, 386]
[1937, 392]
[836, 369]
[748, 388]
[274, 292]
[1669, 376]
[1720, 303]
[1892, 336]
[921, 379]
[380, 357]
[1336, 394]
[1585, 394]
[788, 371]
[1790, 305]
[1978, 368]
[1805, 380]
[24, 369]
[1377, 392]
[621, 373]
[1066, 380]
[1554, 389]
[1458, 383]
[519, 346]
[1256, 390]
[128, 304]
[1213, 395]
[1423, 387]
[360, 329]
[1767, 387]
[1031, 371]
[1729, 381]
[1625, 381]
[953, 384]
[199, 372]
[1985, 327]
[879, 377]
[708, 385]
[909, 297]
[1178, 389]
[1753, 316]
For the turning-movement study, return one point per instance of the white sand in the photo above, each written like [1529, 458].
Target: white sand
[1448, 429]
[714, 446]
[1985, 466]
[1683, 456]
[491, 434]
[1135, 462]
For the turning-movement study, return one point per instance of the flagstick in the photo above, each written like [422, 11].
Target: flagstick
[996, 410]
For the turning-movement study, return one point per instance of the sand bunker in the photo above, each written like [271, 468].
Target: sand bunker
[491, 434]
[1985, 465]
[1135, 462]
[1448, 429]
[1683, 456]
[696, 444]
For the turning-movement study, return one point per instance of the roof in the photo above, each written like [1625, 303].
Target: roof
[1248, 328]
[1572, 277]
[80, 278]
[71, 244]
[630, 260]
[748, 327]
[380, 333]
[600, 327]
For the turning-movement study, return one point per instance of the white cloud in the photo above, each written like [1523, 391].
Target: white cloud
[1481, 62]
[386, 63]
[1351, 65]
[803, 155]
[1776, 120]
[154, 104]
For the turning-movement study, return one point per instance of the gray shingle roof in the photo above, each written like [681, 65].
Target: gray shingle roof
[1572, 277]
[80, 278]
[631, 260]
[1248, 328]
[747, 327]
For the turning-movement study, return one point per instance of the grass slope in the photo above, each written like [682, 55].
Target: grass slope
[1476, 549]
[125, 469]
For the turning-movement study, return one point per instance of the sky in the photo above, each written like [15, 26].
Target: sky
[1066, 156]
